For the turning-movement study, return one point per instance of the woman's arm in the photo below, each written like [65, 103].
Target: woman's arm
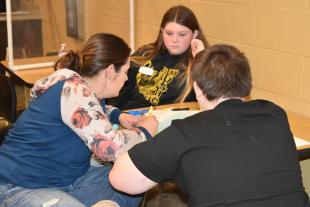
[82, 112]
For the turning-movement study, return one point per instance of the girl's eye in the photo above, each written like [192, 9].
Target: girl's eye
[168, 33]
[182, 34]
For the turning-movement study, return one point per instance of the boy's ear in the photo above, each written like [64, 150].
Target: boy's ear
[197, 90]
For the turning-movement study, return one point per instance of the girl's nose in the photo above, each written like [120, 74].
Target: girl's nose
[175, 38]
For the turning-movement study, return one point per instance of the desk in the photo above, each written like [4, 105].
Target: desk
[29, 76]
[26, 78]
[300, 125]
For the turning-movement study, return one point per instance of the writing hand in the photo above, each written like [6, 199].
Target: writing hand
[128, 121]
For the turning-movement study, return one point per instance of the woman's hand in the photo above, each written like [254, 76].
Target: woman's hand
[128, 121]
[197, 46]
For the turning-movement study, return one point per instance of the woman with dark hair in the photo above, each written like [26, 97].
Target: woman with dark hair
[45, 158]
[160, 70]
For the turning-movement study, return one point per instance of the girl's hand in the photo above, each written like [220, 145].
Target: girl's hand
[197, 46]
[128, 121]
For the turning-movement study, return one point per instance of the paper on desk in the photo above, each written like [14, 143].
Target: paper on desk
[166, 116]
[300, 142]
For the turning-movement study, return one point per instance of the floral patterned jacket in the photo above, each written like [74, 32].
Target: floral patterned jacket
[82, 112]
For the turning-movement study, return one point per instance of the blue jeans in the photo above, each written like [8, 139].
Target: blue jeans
[85, 191]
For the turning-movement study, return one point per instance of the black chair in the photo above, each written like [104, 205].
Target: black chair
[7, 105]
[304, 154]
[167, 194]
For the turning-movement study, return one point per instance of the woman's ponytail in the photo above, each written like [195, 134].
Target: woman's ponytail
[71, 60]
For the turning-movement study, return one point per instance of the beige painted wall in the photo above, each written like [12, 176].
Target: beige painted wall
[94, 16]
[274, 35]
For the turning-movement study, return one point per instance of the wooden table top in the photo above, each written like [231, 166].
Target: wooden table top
[30, 76]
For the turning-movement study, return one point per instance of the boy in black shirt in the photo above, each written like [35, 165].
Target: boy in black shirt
[234, 153]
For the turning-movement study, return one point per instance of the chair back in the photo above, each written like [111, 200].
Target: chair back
[7, 99]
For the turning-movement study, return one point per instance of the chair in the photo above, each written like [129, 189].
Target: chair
[7, 105]
[304, 154]
[167, 194]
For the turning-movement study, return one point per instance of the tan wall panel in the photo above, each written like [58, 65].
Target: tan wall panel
[60, 16]
[253, 25]
[112, 8]
[213, 41]
[212, 24]
[107, 24]
[277, 72]
[233, 1]
[294, 31]
[290, 4]
[245, 49]
[148, 12]
[306, 80]
[145, 34]
[166, 4]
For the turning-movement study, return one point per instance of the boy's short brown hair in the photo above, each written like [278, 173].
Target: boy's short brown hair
[222, 71]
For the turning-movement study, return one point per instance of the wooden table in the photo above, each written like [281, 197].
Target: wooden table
[28, 77]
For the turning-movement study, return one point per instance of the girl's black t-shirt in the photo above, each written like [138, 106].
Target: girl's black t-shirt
[162, 87]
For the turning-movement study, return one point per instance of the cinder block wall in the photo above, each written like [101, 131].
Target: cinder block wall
[274, 35]
[94, 16]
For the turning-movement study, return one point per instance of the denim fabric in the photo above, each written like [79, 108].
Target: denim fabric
[85, 191]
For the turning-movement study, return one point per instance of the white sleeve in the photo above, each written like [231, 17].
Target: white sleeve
[81, 111]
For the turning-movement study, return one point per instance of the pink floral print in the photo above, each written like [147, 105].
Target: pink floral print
[80, 118]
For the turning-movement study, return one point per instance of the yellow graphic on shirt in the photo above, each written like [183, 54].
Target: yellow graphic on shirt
[152, 87]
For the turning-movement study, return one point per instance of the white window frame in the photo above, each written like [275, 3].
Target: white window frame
[49, 64]
[10, 45]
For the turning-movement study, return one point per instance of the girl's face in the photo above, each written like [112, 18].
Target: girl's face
[177, 38]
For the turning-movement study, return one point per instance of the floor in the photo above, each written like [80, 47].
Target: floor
[305, 168]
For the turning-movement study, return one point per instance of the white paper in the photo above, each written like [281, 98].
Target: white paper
[166, 116]
[300, 142]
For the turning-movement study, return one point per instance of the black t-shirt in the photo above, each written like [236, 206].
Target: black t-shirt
[240, 154]
[162, 87]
